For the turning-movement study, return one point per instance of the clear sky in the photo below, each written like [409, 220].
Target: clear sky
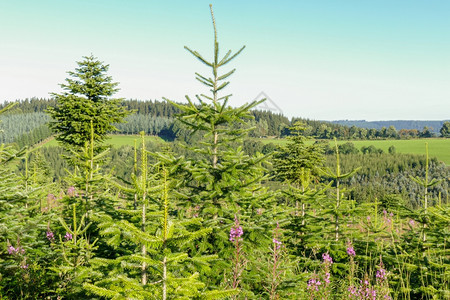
[328, 59]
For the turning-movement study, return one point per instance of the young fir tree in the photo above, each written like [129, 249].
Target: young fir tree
[299, 165]
[160, 267]
[88, 178]
[86, 98]
[423, 255]
[223, 181]
[24, 255]
[326, 229]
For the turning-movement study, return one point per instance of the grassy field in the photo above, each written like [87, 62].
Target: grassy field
[439, 148]
[120, 140]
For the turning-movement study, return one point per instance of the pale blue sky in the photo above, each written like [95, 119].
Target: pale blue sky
[352, 59]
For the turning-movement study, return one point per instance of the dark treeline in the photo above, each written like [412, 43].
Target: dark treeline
[157, 118]
[401, 124]
[28, 105]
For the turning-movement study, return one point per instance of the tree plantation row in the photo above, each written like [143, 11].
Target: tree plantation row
[208, 216]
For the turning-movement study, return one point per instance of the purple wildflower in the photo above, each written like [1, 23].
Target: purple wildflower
[25, 266]
[351, 251]
[327, 277]
[314, 284]
[11, 250]
[236, 231]
[50, 236]
[68, 236]
[14, 251]
[352, 290]
[381, 274]
[327, 259]
[71, 191]
[277, 243]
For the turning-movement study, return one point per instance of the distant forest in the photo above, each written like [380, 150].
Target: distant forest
[26, 124]
[434, 126]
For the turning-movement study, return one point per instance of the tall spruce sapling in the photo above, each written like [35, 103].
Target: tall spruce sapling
[223, 176]
[213, 116]
[340, 206]
[423, 215]
[73, 253]
[224, 180]
[424, 243]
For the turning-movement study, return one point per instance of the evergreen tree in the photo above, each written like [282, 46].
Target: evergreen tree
[86, 99]
[162, 264]
[224, 181]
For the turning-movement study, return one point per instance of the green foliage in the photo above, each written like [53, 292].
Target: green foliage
[223, 180]
[15, 126]
[445, 130]
[297, 162]
[195, 218]
[161, 244]
[86, 99]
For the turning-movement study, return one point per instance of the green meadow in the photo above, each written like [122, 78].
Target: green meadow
[439, 147]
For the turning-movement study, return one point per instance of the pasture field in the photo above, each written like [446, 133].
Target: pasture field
[438, 147]
[120, 140]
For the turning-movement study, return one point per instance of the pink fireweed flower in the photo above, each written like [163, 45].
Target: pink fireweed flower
[24, 266]
[11, 250]
[50, 236]
[277, 243]
[314, 284]
[351, 251]
[68, 236]
[14, 251]
[236, 231]
[352, 290]
[327, 259]
[71, 191]
[327, 277]
[381, 274]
